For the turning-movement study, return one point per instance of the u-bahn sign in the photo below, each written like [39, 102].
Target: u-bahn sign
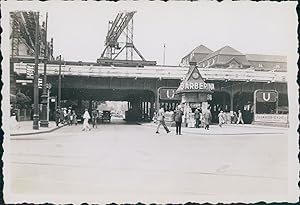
[266, 96]
[168, 94]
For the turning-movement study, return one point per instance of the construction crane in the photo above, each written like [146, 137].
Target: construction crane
[23, 32]
[123, 24]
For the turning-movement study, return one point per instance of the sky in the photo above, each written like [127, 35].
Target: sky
[79, 29]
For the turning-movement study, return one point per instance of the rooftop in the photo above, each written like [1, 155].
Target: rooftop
[226, 50]
[266, 58]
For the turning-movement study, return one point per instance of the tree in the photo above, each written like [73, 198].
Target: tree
[23, 101]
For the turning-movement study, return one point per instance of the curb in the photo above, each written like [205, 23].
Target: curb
[231, 134]
[233, 125]
[39, 132]
[238, 134]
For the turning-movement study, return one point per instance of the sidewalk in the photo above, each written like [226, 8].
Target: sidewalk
[25, 128]
[226, 129]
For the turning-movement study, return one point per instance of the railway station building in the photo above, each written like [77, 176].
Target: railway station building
[240, 75]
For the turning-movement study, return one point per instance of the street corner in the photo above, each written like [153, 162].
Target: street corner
[25, 128]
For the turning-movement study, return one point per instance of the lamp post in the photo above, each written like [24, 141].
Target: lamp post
[164, 57]
[44, 121]
[36, 76]
[59, 83]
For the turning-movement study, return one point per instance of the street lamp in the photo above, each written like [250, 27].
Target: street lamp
[36, 76]
[59, 83]
[44, 121]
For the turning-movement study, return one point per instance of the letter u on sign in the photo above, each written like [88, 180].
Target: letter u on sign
[266, 96]
[170, 95]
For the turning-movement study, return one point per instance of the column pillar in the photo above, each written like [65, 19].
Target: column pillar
[147, 108]
[156, 97]
[90, 105]
[151, 110]
[231, 101]
[224, 102]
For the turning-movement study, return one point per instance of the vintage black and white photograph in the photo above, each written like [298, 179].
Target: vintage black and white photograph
[152, 102]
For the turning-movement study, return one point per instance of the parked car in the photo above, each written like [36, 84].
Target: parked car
[106, 116]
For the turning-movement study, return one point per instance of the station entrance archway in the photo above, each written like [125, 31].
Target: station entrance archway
[140, 103]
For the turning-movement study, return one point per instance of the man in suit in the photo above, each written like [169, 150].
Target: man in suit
[178, 113]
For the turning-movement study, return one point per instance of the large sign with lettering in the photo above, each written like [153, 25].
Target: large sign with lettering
[196, 86]
[29, 71]
[265, 102]
[168, 94]
[266, 96]
[271, 118]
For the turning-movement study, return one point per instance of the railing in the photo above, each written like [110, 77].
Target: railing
[159, 72]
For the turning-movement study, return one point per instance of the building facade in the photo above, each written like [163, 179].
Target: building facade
[228, 57]
[232, 95]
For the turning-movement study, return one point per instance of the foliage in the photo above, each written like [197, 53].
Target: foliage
[23, 101]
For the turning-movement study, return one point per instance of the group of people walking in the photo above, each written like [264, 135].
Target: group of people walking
[64, 115]
[201, 117]
[177, 118]
[86, 117]
[69, 117]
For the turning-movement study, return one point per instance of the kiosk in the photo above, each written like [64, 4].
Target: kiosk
[195, 93]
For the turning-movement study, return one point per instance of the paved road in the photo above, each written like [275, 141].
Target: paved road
[129, 163]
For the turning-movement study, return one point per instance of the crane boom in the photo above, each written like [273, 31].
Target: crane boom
[123, 23]
[118, 26]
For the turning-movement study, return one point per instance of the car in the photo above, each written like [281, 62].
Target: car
[106, 116]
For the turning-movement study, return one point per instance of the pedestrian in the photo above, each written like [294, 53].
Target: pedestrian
[154, 117]
[178, 113]
[57, 116]
[94, 118]
[69, 117]
[61, 116]
[240, 118]
[197, 117]
[86, 117]
[65, 115]
[206, 118]
[221, 117]
[74, 117]
[161, 120]
[234, 117]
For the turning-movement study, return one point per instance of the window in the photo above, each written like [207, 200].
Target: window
[260, 65]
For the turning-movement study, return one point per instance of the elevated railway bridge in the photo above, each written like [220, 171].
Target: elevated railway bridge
[140, 86]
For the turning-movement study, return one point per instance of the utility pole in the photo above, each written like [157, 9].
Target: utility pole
[164, 57]
[59, 83]
[45, 101]
[11, 63]
[36, 75]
